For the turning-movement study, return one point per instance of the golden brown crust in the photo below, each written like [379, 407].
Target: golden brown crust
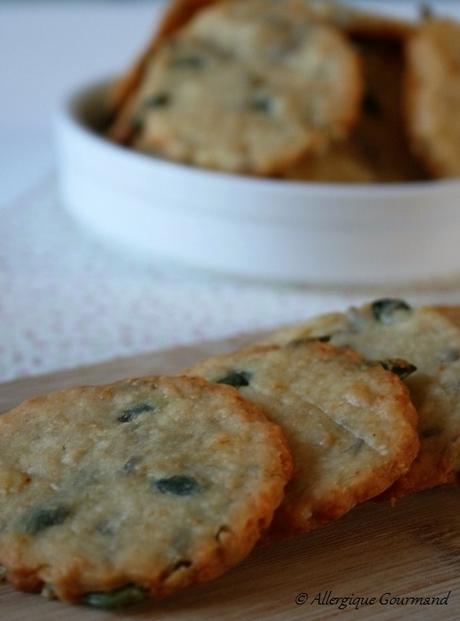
[424, 474]
[327, 399]
[73, 559]
[451, 313]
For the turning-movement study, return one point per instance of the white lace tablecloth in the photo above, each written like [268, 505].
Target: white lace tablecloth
[65, 300]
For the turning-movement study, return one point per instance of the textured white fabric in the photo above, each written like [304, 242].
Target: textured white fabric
[66, 300]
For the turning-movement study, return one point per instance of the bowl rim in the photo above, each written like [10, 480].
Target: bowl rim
[69, 115]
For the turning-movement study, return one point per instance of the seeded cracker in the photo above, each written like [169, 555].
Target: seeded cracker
[427, 338]
[111, 494]
[251, 104]
[349, 423]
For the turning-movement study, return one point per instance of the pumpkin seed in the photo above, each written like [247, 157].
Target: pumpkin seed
[237, 379]
[130, 414]
[42, 518]
[124, 596]
[177, 485]
[386, 310]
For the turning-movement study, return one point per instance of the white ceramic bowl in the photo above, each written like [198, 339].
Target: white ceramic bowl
[292, 231]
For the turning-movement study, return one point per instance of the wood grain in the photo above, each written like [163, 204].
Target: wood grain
[410, 550]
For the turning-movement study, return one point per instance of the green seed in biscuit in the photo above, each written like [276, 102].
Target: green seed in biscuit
[261, 103]
[119, 598]
[160, 100]
[178, 485]
[189, 62]
[235, 378]
[42, 518]
[387, 310]
[132, 413]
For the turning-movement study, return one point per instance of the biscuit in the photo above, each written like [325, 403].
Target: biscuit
[426, 337]
[350, 424]
[432, 96]
[202, 106]
[113, 493]
[268, 87]
[378, 147]
[180, 12]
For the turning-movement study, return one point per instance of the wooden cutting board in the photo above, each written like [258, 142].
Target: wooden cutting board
[410, 550]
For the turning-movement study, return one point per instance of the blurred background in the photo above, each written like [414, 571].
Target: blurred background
[49, 46]
[66, 300]
[46, 48]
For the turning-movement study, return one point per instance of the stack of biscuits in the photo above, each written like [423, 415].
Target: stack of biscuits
[112, 494]
[302, 90]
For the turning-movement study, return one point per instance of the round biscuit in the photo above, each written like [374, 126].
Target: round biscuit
[245, 87]
[113, 493]
[349, 423]
[429, 339]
